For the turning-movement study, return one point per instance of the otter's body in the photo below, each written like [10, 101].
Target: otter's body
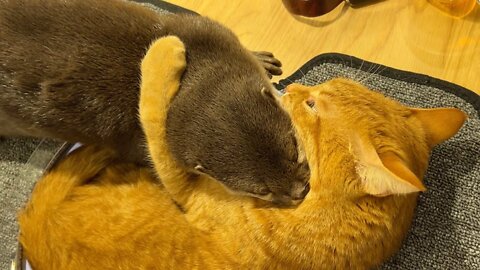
[70, 70]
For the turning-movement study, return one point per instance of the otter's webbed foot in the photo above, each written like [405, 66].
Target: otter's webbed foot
[272, 65]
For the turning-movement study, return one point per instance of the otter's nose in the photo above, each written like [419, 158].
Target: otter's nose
[300, 192]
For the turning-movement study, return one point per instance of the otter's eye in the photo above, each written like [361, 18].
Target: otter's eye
[263, 191]
[200, 169]
[295, 149]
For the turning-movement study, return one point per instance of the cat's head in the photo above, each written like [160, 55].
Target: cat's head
[358, 142]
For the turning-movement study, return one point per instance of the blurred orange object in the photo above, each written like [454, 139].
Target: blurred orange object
[455, 8]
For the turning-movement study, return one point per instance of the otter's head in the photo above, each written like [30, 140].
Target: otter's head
[253, 147]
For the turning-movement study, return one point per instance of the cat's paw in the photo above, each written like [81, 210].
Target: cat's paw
[166, 53]
[164, 63]
[162, 69]
[272, 65]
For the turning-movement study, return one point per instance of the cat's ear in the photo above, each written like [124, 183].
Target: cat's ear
[383, 174]
[439, 124]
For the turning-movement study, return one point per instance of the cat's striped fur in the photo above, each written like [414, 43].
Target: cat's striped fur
[343, 223]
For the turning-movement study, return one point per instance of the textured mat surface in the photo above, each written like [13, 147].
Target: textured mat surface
[21, 162]
[446, 231]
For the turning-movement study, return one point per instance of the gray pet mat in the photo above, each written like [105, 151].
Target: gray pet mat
[22, 162]
[445, 233]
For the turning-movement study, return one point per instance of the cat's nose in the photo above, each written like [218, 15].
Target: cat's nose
[299, 192]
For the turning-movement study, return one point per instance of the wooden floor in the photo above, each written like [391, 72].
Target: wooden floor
[405, 34]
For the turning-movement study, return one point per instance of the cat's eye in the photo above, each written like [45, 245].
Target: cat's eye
[263, 191]
[311, 103]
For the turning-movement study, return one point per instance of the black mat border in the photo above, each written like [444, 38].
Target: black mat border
[396, 74]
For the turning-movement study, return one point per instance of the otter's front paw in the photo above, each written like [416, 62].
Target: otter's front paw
[272, 65]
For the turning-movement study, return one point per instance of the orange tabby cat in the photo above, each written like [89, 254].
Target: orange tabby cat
[366, 155]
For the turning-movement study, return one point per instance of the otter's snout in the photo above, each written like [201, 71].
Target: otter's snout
[298, 193]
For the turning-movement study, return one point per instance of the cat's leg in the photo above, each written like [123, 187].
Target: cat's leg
[38, 219]
[161, 71]
[76, 169]
[84, 163]
[272, 65]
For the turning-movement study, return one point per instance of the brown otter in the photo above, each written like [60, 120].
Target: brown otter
[70, 70]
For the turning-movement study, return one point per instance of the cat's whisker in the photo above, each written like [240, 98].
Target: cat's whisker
[349, 66]
[367, 73]
[379, 70]
[290, 81]
[363, 74]
[303, 74]
[376, 71]
[355, 78]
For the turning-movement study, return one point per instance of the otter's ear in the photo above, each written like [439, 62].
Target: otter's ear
[199, 169]
[383, 174]
[439, 124]
[271, 94]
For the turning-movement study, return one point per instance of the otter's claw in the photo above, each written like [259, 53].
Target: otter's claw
[271, 64]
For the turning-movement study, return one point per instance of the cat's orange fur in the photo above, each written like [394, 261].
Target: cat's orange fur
[366, 155]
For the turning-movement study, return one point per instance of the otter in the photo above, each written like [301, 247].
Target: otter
[70, 70]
